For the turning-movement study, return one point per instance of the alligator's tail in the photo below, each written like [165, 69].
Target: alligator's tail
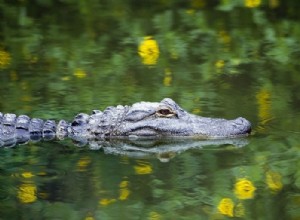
[20, 129]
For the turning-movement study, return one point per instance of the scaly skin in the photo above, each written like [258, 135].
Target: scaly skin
[142, 120]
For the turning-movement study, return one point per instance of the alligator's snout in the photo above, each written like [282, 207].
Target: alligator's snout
[220, 128]
[241, 126]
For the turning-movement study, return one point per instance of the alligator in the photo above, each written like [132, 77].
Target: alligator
[142, 120]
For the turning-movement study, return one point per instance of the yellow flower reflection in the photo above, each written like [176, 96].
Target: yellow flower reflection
[190, 11]
[252, 3]
[244, 189]
[273, 181]
[79, 73]
[105, 201]
[168, 77]
[224, 37]
[83, 163]
[274, 3]
[219, 64]
[226, 206]
[148, 51]
[154, 216]
[263, 98]
[124, 191]
[27, 193]
[13, 76]
[5, 59]
[143, 168]
[198, 3]
[27, 174]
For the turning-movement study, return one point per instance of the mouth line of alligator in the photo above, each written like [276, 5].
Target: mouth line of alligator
[182, 136]
[179, 137]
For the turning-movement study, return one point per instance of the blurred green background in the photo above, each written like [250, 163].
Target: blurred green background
[216, 58]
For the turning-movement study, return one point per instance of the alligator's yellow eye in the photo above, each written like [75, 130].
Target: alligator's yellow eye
[165, 112]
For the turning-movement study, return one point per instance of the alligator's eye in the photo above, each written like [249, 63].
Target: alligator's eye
[165, 112]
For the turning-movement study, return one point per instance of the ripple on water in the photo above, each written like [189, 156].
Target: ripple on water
[279, 125]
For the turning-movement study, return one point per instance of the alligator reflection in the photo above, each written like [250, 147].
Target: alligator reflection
[163, 149]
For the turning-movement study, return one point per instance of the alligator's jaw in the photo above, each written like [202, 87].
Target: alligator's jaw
[192, 126]
[221, 128]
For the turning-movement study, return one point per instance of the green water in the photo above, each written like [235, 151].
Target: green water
[214, 58]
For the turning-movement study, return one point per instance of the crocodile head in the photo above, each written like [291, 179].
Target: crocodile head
[168, 119]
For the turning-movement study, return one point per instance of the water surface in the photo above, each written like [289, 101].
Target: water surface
[216, 59]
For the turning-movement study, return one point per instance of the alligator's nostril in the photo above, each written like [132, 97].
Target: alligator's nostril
[240, 121]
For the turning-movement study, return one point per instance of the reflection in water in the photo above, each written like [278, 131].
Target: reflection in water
[105, 201]
[214, 51]
[124, 193]
[225, 207]
[154, 216]
[239, 210]
[124, 190]
[252, 3]
[263, 98]
[274, 181]
[244, 189]
[168, 77]
[228, 208]
[162, 149]
[5, 59]
[89, 218]
[143, 168]
[79, 73]
[27, 175]
[27, 193]
[219, 64]
[149, 51]
[83, 163]
[202, 173]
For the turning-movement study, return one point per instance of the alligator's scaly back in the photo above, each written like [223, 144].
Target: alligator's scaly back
[141, 120]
